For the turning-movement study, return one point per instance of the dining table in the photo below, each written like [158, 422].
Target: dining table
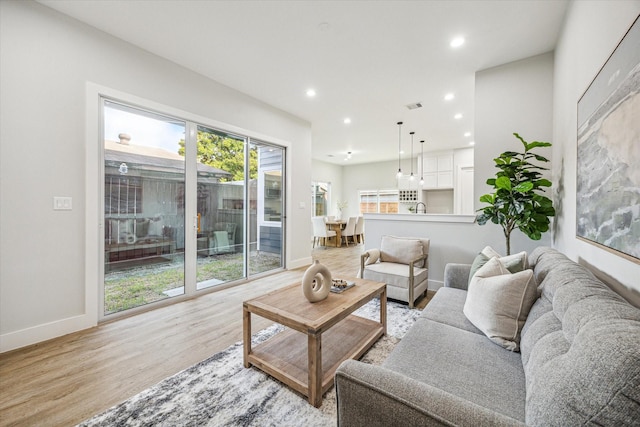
[336, 225]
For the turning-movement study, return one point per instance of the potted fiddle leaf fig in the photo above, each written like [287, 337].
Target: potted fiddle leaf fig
[518, 200]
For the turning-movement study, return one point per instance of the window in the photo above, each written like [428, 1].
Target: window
[122, 195]
[378, 201]
[320, 198]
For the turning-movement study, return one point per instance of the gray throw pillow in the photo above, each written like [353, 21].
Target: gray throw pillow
[499, 302]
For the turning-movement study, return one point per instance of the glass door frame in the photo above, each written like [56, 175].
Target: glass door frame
[95, 202]
[260, 218]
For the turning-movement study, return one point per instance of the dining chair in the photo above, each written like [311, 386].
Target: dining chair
[350, 230]
[320, 231]
[359, 234]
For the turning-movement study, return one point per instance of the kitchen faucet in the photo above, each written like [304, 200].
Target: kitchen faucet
[421, 203]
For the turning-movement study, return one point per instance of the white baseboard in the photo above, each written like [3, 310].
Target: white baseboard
[300, 262]
[434, 285]
[47, 331]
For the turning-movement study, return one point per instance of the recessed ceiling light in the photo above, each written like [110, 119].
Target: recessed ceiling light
[347, 120]
[467, 134]
[457, 116]
[449, 97]
[457, 42]
[311, 93]
[472, 143]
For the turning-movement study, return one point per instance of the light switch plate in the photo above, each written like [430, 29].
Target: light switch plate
[62, 204]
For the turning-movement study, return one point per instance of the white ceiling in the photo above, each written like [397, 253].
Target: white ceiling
[366, 59]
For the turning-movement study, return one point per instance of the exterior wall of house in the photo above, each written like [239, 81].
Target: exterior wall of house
[591, 32]
[47, 62]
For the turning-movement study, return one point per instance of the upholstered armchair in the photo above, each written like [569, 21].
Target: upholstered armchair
[400, 262]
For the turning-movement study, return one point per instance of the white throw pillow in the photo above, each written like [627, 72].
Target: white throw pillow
[513, 263]
[498, 302]
[399, 250]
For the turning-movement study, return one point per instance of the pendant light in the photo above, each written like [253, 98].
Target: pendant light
[399, 174]
[422, 160]
[411, 177]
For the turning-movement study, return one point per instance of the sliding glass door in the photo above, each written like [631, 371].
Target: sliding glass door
[187, 207]
[221, 207]
[144, 205]
[266, 202]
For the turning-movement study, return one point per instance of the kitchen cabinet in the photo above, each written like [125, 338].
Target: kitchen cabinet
[438, 171]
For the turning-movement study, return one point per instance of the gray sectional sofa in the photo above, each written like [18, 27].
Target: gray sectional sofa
[579, 361]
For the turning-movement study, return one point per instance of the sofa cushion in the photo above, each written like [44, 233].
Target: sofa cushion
[446, 307]
[579, 348]
[120, 230]
[142, 227]
[540, 322]
[399, 250]
[514, 263]
[156, 227]
[394, 274]
[498, 302]
[594, 380]
[462, 363]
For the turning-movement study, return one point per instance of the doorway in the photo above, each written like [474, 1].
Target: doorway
[187, 208]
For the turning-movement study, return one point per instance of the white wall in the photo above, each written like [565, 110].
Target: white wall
[463, 157]
[369, 176]
[46, 61]
[591, 32]
[515, 97]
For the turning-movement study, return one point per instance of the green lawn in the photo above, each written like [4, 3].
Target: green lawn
[143, 284]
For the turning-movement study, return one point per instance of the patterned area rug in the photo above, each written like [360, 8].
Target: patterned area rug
[219, 391]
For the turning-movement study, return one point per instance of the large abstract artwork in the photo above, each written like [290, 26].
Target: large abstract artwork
[608, 166]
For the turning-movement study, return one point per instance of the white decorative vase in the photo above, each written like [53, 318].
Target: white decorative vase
[316, 282]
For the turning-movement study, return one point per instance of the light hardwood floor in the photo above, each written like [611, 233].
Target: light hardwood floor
[69, 379]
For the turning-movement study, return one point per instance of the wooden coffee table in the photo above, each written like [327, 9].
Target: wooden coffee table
[320, 337]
